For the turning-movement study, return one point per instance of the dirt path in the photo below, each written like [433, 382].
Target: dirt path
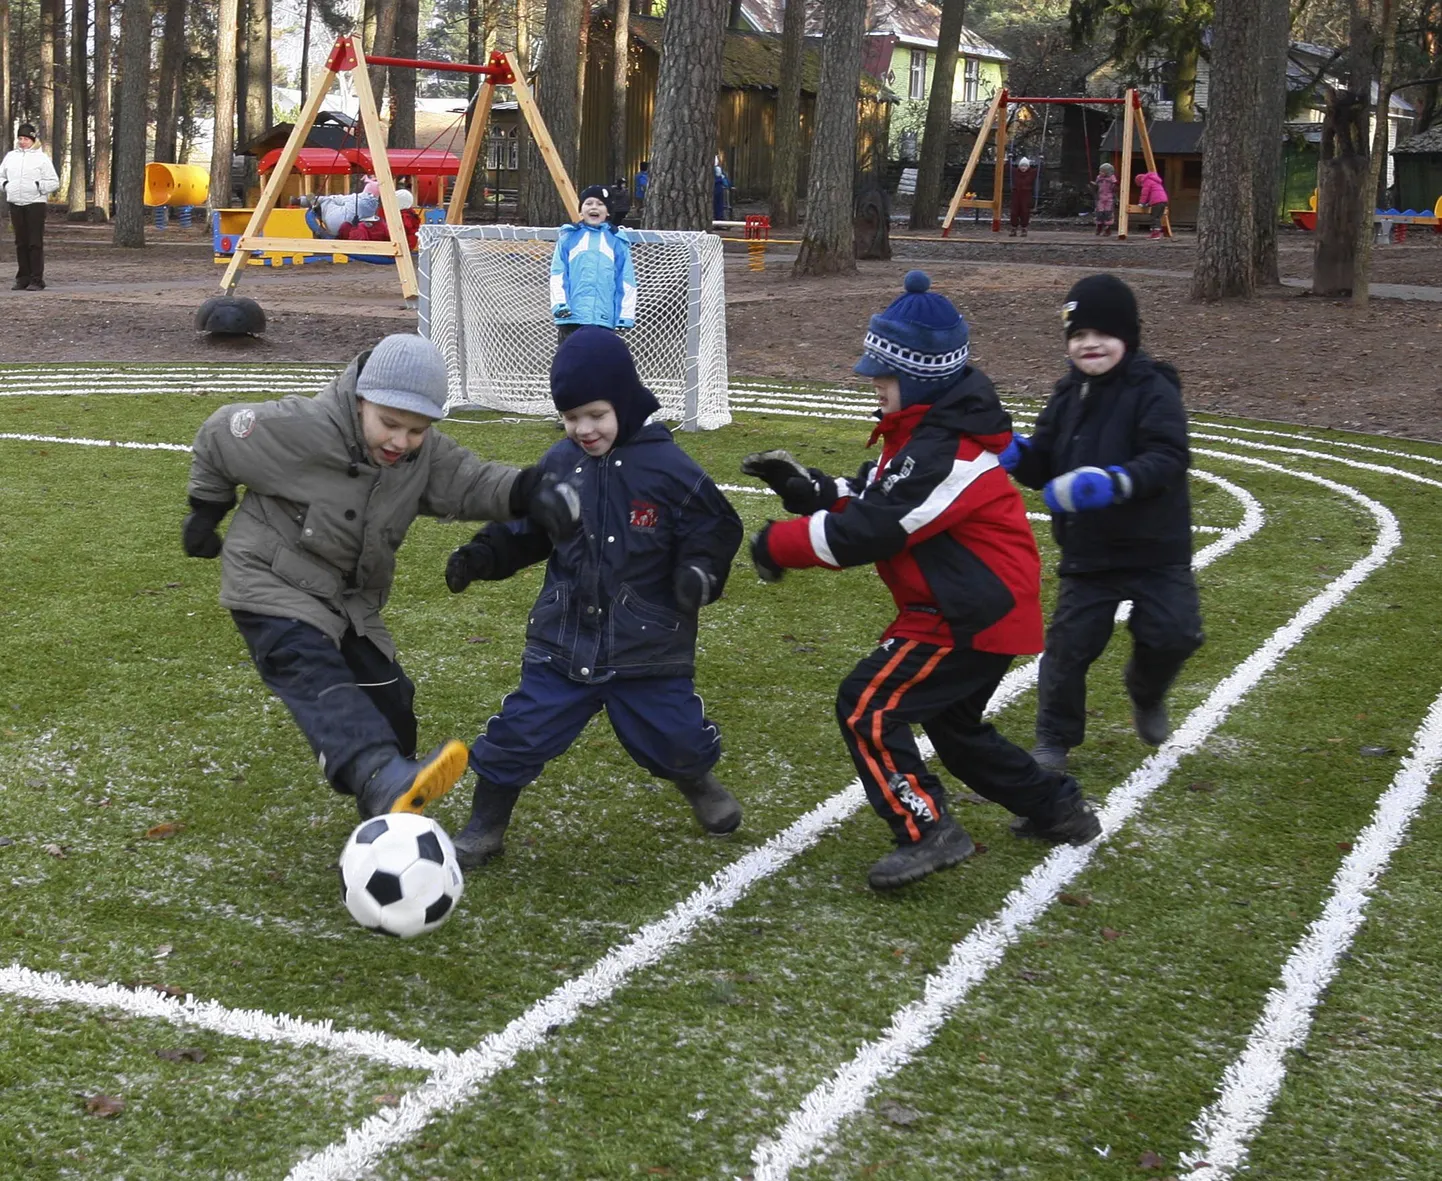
[1284, 355]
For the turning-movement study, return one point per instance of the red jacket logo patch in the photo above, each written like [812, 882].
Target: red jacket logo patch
[644, 515]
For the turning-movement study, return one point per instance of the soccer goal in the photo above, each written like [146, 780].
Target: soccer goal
[485, 302]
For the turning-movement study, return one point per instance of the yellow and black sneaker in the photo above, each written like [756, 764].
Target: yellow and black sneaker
[408, 785]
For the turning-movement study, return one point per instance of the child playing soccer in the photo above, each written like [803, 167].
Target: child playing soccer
[592, 279]
[332, 484]
[1110, 451]
[949, 537]
[614, 627]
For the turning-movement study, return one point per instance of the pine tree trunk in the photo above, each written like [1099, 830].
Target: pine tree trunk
[130, 137]
[306, 22]
[1390, 10]
[1342, 166]
[620, 66]
[557, 97]
[1225, 224]
[828, 245]
[402, 133]
[786, 162]
[47, 73]
[228, 14]
[5, 123]
[60, 147]
[79, 31]
[382, 44]
[683, 139]
[476, 55]
[103, 57]
[1184, 108]
[167, 92]
[926, 204]
[1272, 38]
[258, 108]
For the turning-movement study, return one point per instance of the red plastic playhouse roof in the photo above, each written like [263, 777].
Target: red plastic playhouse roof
[403, 161]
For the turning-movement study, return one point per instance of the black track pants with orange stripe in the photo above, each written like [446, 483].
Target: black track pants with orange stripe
[943, 690]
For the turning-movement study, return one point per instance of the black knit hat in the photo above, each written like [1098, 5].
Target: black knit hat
[593, 364]
[27, 130]
[600, 192]
[1104, 304]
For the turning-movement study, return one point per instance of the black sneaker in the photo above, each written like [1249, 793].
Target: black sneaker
[716, 808]
[1078, 825]
[1050, 756]
[20, 285]
[945, 844]
[408, 785]
[37, 284]
[1151, 723]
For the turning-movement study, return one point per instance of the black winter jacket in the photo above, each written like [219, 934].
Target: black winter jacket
[607, 607]
[1131, 418]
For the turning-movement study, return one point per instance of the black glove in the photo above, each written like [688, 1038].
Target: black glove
[802, 490]
[197, 531]
[470, 562]
[766, 568]
[545, 501]
[693, 588]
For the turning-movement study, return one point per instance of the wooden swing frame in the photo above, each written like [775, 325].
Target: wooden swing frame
[346, 56]
[1134, 125]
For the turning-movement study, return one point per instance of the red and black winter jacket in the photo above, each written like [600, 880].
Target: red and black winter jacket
[942, 522]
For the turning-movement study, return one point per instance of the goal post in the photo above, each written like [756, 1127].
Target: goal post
[485, 303]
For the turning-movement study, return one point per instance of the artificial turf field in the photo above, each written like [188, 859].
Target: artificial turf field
[1242, 972]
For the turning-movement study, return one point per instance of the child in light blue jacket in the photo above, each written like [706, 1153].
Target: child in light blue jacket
[592, 278]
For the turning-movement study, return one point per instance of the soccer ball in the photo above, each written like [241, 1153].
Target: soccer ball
[398, 874]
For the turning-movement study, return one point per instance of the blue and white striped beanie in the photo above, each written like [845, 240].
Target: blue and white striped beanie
[920, 339]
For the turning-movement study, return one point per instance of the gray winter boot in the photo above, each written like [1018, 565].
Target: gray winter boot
[484, 837]
[1151, 722]
[716, 808]
[1076, 824]
[1050, 756]
[408, 785]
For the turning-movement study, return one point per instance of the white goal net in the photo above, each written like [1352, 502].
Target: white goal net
[485, 302]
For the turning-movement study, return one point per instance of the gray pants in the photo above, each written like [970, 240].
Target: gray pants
[1166, 627]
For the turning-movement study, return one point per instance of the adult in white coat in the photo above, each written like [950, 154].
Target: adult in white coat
[28, 178]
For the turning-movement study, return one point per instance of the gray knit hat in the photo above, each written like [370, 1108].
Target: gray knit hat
[405, 372]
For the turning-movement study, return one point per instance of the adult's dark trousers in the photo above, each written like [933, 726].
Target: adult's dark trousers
[945, 691]
[1166, 627]
[354, 704]
[659, 720]
[28, 222]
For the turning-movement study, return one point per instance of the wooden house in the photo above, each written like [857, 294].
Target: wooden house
[1177, 148]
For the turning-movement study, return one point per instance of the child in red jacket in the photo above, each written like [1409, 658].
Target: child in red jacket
[950, 538]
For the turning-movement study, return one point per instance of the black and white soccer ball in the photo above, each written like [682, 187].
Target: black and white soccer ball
[398, 874]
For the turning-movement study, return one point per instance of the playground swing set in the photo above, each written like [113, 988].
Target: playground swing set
[230, 314]
[1134, 127]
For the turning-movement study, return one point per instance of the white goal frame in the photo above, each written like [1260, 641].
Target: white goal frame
[498, 338]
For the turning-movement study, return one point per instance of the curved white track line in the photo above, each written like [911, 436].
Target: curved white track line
[456, 1085]
[94, 442]
[1254, 1079]
[912, 1028]
[1354, 463]
[51, 988]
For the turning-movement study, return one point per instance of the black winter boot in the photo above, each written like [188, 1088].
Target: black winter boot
[408, 785]
[483, 839]
[1050, 756]
[945, 844]
[1076, 824]
[716, 808]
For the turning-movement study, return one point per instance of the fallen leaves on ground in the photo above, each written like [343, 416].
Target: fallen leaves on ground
[104, 1106]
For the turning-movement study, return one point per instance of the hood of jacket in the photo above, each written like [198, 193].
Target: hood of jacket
[969, 406]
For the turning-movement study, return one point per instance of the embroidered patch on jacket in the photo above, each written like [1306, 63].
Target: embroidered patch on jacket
[907, 467]
[644, 515]
[242, 422]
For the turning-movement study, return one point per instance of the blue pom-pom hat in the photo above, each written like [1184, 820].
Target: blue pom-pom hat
[921, 339]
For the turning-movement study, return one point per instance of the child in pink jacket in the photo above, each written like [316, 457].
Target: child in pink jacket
[1153, 193]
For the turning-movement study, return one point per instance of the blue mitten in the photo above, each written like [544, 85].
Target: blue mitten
[1087, 488]
[1011, 456]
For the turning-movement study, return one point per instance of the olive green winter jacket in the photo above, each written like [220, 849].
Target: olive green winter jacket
[315, 538]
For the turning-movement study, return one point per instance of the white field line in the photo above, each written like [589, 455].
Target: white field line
[1356, 463]
[50, 988]
[912, 1028]
[762, 403]
[94, 442]
[457, 1084]
[1300, 438]
[805, 413]
[1253, 1080]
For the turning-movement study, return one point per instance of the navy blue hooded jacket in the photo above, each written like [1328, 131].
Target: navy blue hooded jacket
[607, 607]
[1131, 417]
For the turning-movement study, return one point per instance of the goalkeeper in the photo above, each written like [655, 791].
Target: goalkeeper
[593, 280]
[1110, 452]
[332, 484]
[614, 626]
[949, 537]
